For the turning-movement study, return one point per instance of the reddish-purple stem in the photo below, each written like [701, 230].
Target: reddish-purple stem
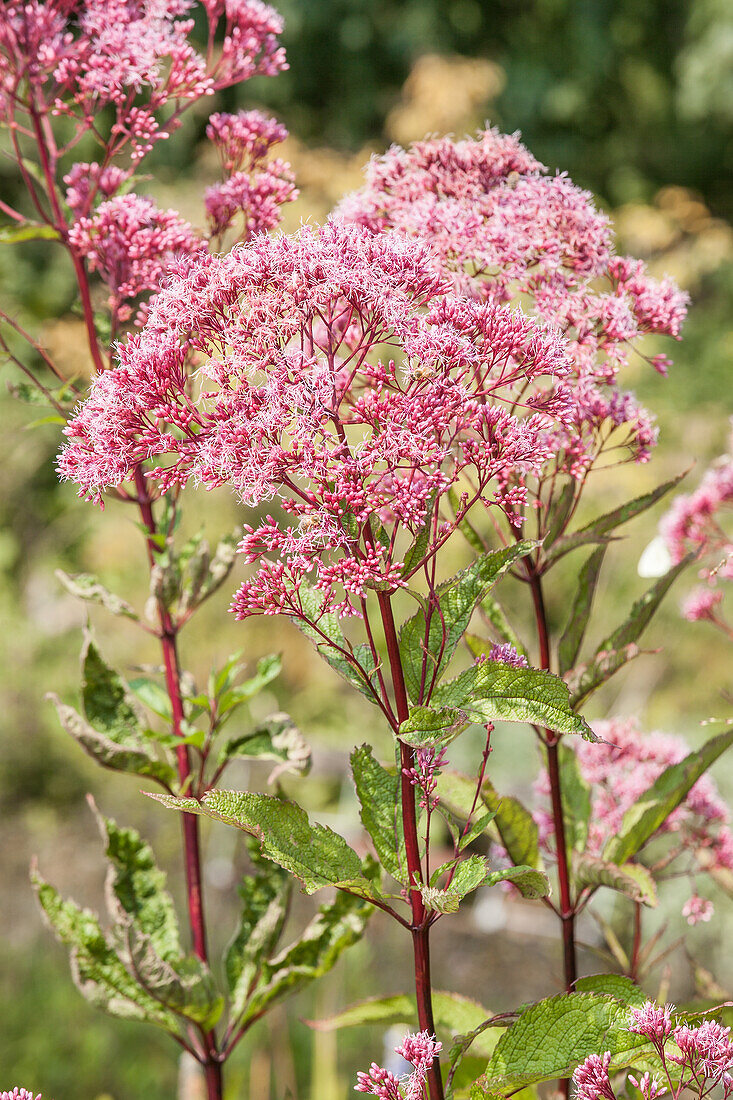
[420, 927]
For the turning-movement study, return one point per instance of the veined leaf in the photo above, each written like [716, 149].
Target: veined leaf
[600, 528]
[268, 669]
[337, 926]
[136, 887]
[530, 882]
[617, 986]
[313, 853]
[432, 642]
[516, 827]
[631, 879]
[98, 973]
[470, 873]
[643, 819]
[379, 797]
[492, 692]
[554, 1036]
[185, 985]
[153, 695]
[572, 637]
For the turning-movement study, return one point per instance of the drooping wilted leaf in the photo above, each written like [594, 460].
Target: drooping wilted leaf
[87, 587]
[631, 879]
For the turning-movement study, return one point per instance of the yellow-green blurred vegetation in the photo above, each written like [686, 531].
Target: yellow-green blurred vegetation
[634, 98]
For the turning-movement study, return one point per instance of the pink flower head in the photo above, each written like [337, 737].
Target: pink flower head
[706, 1050]
[420, 1051]
[697, 909]
[339, 375]
[85, 181]
[506, 654]
[500, 228]
[130, 242]
[19, 1094]
[428, 764]
[257, 196]
[244, 139]
[591, 1078]
[701, 604]
[653, 1021]
[619, 770]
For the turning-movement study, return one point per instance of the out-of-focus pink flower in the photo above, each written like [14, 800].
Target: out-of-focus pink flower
[697, 909]
[701, 604]
[19, 1094]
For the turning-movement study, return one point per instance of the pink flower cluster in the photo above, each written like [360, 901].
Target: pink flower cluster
[698, 522]
[424, 775]
[130, 242]
[419, 1050]
[501, 229]
[619, 770]
[19, 1094]
[254, 187]
[339, 374]
[699, 1058]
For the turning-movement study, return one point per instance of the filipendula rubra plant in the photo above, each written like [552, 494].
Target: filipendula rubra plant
[113, 79]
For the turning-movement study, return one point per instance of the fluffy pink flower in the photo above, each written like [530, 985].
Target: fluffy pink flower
[257, 196]
[653, 1021]
[500, 228]
[298, 400]
[701, 604]
[130, 242]
[420, 1051]
[244, 139]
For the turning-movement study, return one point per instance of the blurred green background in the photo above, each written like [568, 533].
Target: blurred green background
[634, 99]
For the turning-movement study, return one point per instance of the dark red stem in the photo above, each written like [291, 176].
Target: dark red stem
[191, 846]
[552, 740]
[420, 927]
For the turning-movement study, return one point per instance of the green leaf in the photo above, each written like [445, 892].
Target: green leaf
[185, 985]
[643, 610]
[136, 887]
[452, 1013]
[153, 695]
[530, 882]
[631, 879]
[601, 527]
[572, 637]
[576, 801]
[313, 853]
[98, 973]
[469, 874]
[419, 548]
[516, 827]
[108, 705]
[550, 1039]
[268, 669]
[87, 587]
[496, 616]
[642, 820]
[278, 739]
[17, 233]
[337, 926]
[378, 792]
[265, 895]
[617, 986]
[131, 754]
[355, 664]
[431, 642]
[492, 692]
[583, 680]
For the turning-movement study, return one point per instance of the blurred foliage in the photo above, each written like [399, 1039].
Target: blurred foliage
[634, 98]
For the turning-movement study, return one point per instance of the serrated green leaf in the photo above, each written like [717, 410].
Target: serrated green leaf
[428, 643]
[576, 800]
[108, 705]
[17, 233]
[574, 632]
[87, 587]
[184, 985]
[631, 879]
[264, 895]
[278, 739]
[643, 610]
[379, 798]
[136, 887]
[653, 807]
[530, 882]
[337, 926]
[617, 986]
[469, 874]
[313, 853]
[98, 973]
[492, 692]
[601, 527]
[550, 1039]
